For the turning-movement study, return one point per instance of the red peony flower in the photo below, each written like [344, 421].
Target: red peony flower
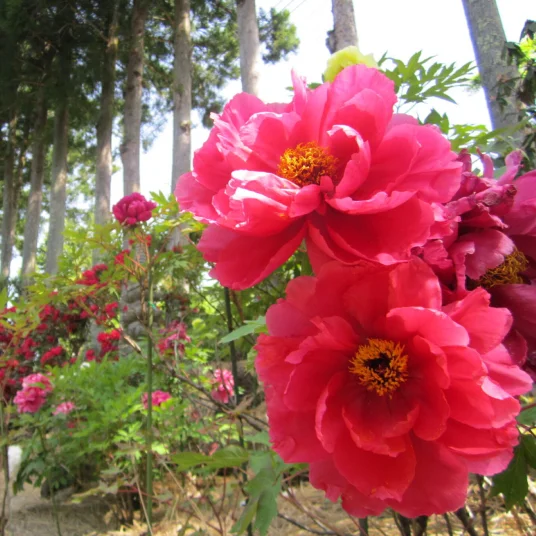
[334, 167]
[385, 392]
[133, 209]
[157, 398]
[51, 354]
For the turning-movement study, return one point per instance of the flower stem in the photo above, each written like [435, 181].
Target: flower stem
[149, 435]
[234, 366]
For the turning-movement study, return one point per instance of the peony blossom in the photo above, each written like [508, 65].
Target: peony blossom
[224, 385]
[157, 398]
[30, 399]
[493, 245]
[133, 209]
[385, 392]
[334, 167]
[64, 408]
[37, 380]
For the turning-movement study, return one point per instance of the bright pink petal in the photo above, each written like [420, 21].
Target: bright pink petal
[243, 261]
[487, 326]
[424, 496]
[383, 477]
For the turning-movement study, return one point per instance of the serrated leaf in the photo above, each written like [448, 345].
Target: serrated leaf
[512, 482]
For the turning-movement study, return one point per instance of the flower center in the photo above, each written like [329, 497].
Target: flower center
[380, 366]
[306, 163]
[507, 273]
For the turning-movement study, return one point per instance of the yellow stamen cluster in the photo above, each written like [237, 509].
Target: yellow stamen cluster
[506, 273]
[306, 163]
[380, 365]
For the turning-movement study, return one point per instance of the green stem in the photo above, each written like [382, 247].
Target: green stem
[5, 449]
[149, 436]
[52, 490]
[234, 366]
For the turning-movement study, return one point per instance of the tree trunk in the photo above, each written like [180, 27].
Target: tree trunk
[105, 121]
[58, 189]
[182, 92]
[487, 35]
[33, 213]
[130, 149]
[248, 37]
[344, 28]
[9, 214]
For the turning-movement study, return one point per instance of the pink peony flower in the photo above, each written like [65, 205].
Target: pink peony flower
[384, 392]
[158, 398]
[493, 245]
[334, 167]
[224, 385]
[64, 408]
[30, 399]
[37, 380]
[133, 209]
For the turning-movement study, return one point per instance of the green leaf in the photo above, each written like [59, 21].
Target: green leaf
[251, 326]
[528, 442]
[527, 416]
[3, 298]
[231, 456]
[512, 482]
[260, 438]
[245, 519]
[266, 510]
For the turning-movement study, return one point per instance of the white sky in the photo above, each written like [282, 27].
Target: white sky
[400, 27]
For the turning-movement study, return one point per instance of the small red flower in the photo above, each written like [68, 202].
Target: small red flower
[133, 209]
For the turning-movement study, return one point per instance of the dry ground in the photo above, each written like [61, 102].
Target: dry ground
[30, 515]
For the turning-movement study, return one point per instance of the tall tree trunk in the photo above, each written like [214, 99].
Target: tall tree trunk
[130, 149]
[248, 38]
[487, 35]
[9, 214]
[58, 190]
[182, 101]
[344, 29]
[182, 92]
[33, 213]
[106, 118]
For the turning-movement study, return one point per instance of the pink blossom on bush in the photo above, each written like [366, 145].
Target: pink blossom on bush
[30, 399]
[158, 398]
[335, 167]
[224, 385]
[37, 380]
[64, 408]
[133, 209]
[385, 392]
